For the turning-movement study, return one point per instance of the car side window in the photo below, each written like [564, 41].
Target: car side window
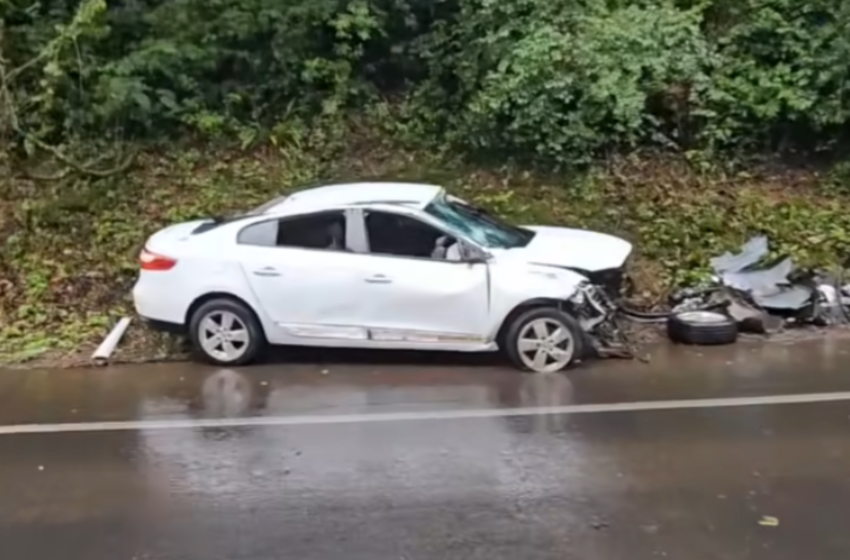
[403, 236]
[325, 230]
[263, 234]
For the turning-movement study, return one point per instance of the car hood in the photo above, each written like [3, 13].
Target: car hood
[575, 248]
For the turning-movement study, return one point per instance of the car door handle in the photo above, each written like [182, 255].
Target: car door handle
[267, 271]
[379, 279]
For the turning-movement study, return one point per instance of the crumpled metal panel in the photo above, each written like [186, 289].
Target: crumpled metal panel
[751, 252]
[763, 282]
[768, 287]
[763, 296]
[794, 297]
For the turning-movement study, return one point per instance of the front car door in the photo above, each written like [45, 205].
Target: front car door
[412, 296]
[301, 272]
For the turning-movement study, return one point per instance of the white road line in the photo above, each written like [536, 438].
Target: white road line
[460, 414]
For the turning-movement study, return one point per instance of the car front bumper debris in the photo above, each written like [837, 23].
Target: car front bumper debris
[600, 317]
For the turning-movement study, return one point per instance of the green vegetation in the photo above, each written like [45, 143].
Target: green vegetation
[642, 118]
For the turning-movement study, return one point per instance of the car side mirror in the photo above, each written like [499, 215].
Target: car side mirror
[473, 255]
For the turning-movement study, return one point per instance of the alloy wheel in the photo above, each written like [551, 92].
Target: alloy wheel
[223, 335]
[545, 345]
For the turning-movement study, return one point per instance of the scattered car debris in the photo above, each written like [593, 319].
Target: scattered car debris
[769, 521]
[599, 524]
[760, 297]
[702, 327]
[110, 343]
[751, 252]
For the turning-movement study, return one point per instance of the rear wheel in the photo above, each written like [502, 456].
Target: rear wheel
[226, 332]
[544, 340]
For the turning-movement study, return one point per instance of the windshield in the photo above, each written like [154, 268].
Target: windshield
[477, 224]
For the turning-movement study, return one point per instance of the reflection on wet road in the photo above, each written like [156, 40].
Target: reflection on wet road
[631, 484]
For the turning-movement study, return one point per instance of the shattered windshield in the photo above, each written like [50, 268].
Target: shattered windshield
[476, 224]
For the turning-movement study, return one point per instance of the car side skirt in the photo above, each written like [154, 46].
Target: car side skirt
[356, 337]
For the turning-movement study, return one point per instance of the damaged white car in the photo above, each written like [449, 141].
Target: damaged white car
[384, 266]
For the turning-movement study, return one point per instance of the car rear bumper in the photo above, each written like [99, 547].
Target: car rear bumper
[156, 300]
[164, 326]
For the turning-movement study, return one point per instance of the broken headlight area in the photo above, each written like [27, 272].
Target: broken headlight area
[612, 281]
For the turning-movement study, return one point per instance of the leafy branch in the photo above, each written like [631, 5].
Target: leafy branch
[48, 59]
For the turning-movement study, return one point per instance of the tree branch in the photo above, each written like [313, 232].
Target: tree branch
[10, 114]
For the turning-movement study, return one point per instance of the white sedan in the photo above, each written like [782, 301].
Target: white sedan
[379, 265]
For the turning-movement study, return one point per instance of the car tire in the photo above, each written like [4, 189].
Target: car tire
[243, 341]
[523, 340]
[704, 328]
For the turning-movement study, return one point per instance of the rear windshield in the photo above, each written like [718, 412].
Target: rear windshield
[216, 221]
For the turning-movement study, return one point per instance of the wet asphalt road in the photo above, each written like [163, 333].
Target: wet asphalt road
[687, 483]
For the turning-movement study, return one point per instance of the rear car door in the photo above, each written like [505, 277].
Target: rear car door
[301, 272]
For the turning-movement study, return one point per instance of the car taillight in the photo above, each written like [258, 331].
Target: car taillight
[153, 261]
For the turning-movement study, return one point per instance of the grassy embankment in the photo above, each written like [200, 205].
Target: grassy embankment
[69, 249]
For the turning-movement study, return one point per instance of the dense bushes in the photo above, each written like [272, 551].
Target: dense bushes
[556, 81]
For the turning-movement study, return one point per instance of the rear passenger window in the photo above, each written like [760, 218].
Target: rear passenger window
[315, 231]
[262, 233]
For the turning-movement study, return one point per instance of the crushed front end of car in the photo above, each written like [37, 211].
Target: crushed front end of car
[595, 307]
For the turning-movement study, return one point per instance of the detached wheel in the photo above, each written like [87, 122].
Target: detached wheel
[544, 340]
[225, 332]
[705, 328]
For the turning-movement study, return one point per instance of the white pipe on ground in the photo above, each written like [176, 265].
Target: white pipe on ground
[107, 347]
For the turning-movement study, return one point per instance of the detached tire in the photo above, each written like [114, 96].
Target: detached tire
[704, 328]
[227, 333]
[547, 333]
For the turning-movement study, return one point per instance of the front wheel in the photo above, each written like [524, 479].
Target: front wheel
[225, 332]
[544, 340]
